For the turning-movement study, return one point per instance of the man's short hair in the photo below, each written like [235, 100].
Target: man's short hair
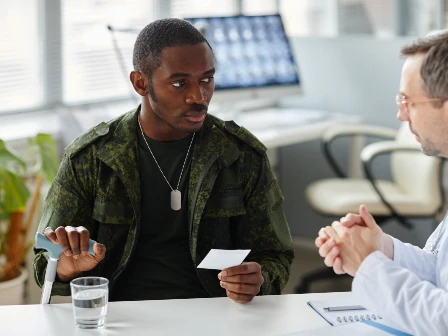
[434, 70]
[161, 34]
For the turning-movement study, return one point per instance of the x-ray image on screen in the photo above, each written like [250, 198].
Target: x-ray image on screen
[250, 51]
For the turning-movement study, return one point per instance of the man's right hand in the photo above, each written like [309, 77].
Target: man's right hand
[328, 248]
[75, 244]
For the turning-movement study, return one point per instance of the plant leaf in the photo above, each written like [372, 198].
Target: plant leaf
[10, 160]
[14, 192]
[46, 147]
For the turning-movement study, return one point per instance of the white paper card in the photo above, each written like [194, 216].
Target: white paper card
[220, 259]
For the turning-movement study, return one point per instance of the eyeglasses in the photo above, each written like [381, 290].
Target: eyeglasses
[404, 102]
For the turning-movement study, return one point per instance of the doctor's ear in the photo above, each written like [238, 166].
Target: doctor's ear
[140, 82]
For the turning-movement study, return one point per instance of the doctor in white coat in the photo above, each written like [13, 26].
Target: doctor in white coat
[402, 282]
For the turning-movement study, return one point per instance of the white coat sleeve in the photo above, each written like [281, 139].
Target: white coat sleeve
[398, 294]
[421, 262]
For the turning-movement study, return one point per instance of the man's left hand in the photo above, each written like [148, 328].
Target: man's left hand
[354, 244]
[243, 282]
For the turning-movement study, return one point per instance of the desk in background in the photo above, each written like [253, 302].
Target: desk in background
[278, 127]
[265, 315]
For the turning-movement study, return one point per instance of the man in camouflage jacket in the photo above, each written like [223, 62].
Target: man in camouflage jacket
[234, 200]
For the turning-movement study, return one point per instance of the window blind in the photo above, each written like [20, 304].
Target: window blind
[21, 84]
[201, 8]
[91, 68]
[260, 7]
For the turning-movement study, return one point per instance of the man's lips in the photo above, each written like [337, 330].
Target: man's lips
[196, 117]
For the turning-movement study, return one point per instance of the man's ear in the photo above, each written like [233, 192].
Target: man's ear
[140, 82]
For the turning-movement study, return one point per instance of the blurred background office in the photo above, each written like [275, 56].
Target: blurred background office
[64, 65]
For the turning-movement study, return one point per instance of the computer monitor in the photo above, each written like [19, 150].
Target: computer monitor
[254, 60]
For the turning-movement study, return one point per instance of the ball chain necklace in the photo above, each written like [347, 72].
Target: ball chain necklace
[176, 196]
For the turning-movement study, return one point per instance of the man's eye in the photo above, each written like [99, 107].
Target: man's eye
[178, 83]
[208, 79]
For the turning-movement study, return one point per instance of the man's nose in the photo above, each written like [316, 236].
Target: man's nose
[402, 114]
[196, 95]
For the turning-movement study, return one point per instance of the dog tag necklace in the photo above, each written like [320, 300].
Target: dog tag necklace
[176, 195]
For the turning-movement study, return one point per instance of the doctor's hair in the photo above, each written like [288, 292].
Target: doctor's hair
[434, 70]
[159, 35]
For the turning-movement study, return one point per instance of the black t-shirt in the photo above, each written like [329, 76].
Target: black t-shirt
[161, 266]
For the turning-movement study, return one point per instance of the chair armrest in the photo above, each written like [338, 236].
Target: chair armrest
[369, 153]
[372, 150]
[352, 130]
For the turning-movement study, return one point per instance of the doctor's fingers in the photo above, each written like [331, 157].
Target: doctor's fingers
[331, 256]
[326, 247]
[323, 234]
[319, 242]
[331, 232]
[351, 219]
[322, 238]
[337, 266]
[339, 229]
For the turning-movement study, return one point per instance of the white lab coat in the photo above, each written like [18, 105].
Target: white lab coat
[411, 291]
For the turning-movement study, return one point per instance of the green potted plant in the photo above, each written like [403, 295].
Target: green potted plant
[21, 179]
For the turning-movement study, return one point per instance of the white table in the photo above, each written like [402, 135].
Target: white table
[267, 315]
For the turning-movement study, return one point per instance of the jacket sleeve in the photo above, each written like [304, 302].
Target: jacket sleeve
[266, 230]
[66, 204]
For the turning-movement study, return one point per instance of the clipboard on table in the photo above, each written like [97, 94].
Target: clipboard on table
[342, 311]
[350, 318]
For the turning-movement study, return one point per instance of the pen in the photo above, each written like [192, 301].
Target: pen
[343, 308]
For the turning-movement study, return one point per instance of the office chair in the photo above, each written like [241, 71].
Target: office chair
[415, 190]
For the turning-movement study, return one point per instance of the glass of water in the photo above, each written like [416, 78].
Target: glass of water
[90, 297]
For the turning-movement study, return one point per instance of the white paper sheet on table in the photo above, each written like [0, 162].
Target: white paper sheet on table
[220, 259]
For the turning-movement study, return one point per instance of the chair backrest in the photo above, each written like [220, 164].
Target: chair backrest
[416, 173]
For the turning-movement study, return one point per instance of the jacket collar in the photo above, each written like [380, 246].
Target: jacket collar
[212, 144]
[212, 150]
[121, 154]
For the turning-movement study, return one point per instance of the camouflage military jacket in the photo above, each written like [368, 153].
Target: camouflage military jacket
[234, 200]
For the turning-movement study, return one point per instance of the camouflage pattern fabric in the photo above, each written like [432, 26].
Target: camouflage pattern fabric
[234, 200]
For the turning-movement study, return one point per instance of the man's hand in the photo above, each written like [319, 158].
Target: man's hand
[355, 243]
[75, 244]
[328, 249]
[243, 282]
